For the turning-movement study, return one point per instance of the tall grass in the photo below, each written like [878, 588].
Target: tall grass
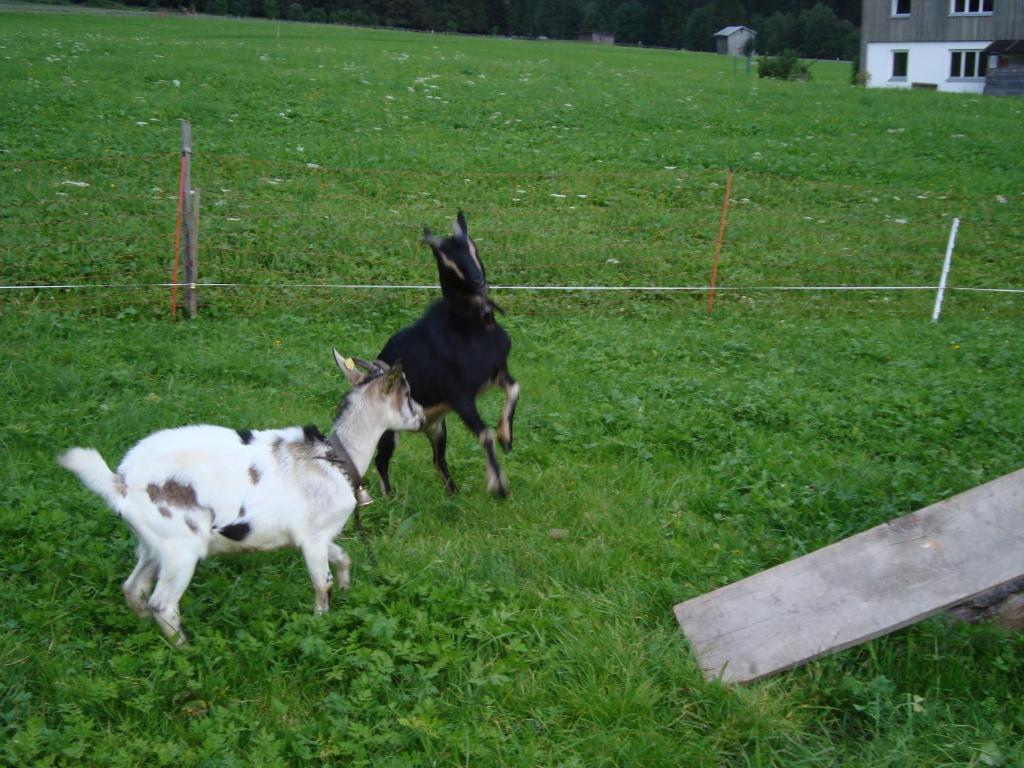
[679, 452]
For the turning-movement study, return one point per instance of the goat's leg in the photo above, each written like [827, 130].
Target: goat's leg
[385, 447]
[317, 562]
[176, 571]
[140, 581]
[437, 434]
[342, 565]
[511, 388]
[496, 482]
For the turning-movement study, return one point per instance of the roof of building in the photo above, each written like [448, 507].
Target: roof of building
[727, 31]
[1005, 47]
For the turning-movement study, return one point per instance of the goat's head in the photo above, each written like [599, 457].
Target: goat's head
[460, 271]
[386, 388]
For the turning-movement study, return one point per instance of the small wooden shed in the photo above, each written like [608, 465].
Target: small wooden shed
[732, 41]
[605, 38]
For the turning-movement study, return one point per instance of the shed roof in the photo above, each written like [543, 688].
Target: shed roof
[1005, 47]
[727, 31]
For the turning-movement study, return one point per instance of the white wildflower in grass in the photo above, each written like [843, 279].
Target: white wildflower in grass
[582, 197]
[1001, 199]
[556, 194]
[312, 166]
[896, 130]
[176, 83]
[141, 123]
[612, 261]
[78, 184]
[671, 167]
[300, 149]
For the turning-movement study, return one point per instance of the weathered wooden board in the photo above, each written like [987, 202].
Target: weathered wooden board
[859, 588]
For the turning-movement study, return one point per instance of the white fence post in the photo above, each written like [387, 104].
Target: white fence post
[945, 270]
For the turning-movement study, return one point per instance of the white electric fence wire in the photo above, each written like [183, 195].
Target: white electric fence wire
[565, 288]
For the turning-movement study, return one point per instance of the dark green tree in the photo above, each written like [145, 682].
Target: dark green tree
[777, 33]
[823, 35]
[629, 22]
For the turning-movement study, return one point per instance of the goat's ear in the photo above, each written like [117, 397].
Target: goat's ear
[459, 229]
[348, 367]
[393, 376]
[429, 238]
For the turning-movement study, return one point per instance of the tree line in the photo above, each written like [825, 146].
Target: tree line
[813, 28]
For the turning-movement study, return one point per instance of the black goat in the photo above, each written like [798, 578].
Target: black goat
[454, 353]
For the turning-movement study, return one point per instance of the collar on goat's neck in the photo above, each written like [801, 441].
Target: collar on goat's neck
[353, 460]
[340, 456]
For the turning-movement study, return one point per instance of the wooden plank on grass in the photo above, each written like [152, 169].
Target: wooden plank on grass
[859, 588]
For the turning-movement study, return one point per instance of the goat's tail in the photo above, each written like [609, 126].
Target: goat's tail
[94, 473]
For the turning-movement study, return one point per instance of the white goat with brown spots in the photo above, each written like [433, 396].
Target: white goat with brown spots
[203, 490]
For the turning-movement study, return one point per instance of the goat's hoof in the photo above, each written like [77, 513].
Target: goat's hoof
[500, 490]
[506, 445]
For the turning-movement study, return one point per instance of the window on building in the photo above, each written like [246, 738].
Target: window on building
[900, 7]
[966, 64]
[961, 7]
[899, 65]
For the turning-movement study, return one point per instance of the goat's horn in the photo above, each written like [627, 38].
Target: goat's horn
[429, 238]
[368, 367]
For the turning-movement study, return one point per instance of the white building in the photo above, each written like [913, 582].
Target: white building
[951, 45]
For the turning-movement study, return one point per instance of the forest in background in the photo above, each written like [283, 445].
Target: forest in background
[820, 29]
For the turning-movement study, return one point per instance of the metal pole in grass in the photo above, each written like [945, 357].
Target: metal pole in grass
[187, 256]
[718, 247]
[192, 255]
[945, 270]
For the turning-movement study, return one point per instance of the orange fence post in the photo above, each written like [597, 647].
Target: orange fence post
[718, 247]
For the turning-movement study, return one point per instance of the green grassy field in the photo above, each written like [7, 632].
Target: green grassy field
[680, 452]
